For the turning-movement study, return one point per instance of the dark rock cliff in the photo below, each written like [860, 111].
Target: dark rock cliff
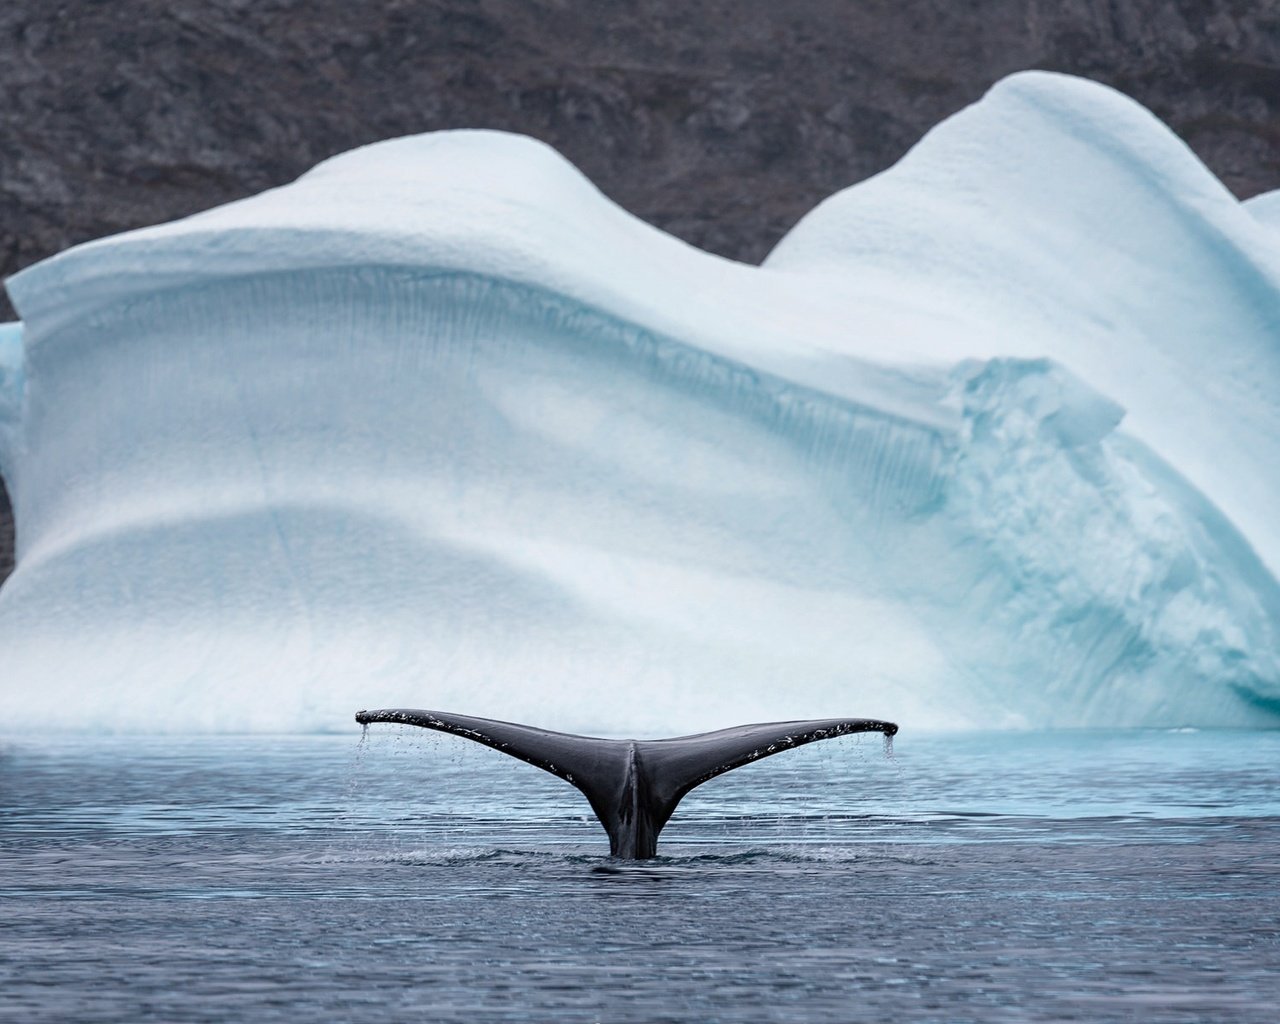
[721, 121]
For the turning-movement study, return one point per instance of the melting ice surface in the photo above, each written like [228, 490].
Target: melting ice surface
[989, 440]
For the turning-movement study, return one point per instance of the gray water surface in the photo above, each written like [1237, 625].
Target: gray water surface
[1067, 876]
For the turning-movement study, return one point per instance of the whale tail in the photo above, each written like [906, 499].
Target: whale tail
[633, 785]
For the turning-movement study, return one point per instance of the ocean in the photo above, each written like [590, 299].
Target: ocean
[404, 875]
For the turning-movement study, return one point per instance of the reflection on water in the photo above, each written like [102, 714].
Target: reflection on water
[1000, 877]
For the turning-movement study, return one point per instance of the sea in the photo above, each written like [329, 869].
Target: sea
[401, 875]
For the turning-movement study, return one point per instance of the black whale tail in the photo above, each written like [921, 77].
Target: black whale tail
[633, 785]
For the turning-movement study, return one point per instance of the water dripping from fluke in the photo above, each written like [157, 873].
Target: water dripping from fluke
[633, 785]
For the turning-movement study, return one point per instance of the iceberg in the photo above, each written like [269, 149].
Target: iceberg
[990, 440]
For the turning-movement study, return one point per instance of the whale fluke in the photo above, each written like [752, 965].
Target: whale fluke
[633, 785]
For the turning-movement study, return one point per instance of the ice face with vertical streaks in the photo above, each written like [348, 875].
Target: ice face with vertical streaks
[990, 440]
[11, 388]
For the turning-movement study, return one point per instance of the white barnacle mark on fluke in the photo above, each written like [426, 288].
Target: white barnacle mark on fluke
[633, 786]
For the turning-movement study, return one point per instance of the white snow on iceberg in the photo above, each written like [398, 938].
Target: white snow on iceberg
[990, 440]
